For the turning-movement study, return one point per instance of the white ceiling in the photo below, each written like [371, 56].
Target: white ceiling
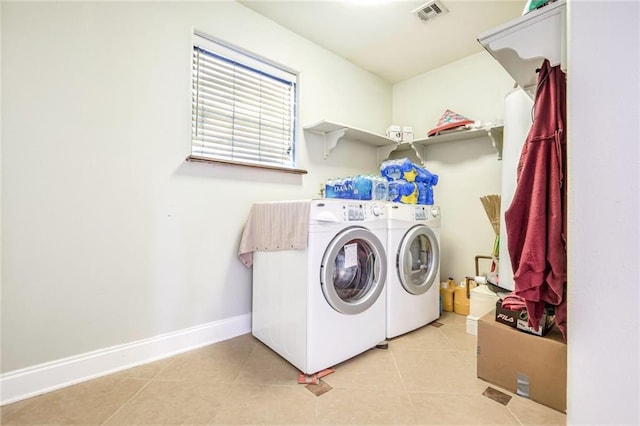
[384, 37]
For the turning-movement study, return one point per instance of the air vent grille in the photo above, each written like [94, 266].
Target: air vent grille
[430, 10]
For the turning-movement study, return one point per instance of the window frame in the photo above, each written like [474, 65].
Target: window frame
[256, 64]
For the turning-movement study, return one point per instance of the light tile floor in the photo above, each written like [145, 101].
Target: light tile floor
[425, 377]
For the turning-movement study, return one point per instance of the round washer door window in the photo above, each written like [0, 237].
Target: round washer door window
[353, 271]
[418, 259]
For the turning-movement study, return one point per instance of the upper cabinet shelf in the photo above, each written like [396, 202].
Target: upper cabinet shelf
[332, 133]
[494, 133]
[522, 45]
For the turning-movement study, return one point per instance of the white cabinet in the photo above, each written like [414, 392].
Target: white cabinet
[522, 44]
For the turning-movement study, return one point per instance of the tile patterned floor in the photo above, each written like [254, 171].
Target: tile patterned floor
[426, 377]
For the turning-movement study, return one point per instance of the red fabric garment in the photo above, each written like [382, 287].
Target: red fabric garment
[536, 219]
[514, 302]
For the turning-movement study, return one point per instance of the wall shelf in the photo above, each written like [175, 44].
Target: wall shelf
[522, 44]
[407, 146]
[332, 133]
[494, 133]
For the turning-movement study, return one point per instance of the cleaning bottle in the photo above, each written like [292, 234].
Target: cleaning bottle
[461, 299]
[446, 291]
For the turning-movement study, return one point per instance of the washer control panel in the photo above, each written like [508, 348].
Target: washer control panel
[353, 212]
[363, 211]
[338, 210]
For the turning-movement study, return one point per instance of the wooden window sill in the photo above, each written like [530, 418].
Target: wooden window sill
[198, 159]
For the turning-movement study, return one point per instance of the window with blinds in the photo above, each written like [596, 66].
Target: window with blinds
[243, 108]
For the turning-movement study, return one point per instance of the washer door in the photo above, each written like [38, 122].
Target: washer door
[353, 270]
[418, 259]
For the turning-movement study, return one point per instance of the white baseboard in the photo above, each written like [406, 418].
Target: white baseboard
[472, 325]
[31, 381]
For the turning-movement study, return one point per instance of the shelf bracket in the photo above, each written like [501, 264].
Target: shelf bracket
[522, 44]
[496, 136]
[384, 151]
[331, 140]
[418, 152]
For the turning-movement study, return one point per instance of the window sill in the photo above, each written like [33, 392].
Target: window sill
[198, 159]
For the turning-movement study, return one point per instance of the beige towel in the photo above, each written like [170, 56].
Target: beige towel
[277, 225]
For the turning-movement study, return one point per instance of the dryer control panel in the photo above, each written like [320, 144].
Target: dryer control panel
[426, 213]
[421, 214]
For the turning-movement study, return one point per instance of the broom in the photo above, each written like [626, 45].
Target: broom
[491, 204]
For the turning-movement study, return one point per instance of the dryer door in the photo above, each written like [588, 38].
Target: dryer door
[418, 259]
[353, 270]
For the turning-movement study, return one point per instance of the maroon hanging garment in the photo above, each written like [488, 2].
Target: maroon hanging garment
[536, 219]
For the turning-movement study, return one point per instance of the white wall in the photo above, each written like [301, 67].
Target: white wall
[604, 223]
[474, 87]
[108, 235]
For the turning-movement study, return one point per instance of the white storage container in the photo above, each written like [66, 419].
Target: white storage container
[481, 301]
[394, 132]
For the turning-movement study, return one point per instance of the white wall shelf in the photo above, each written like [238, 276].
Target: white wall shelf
[407, 146]
[522, 44]
[494, 133]
[332, 133]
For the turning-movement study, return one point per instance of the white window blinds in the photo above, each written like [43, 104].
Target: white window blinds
[243, 109]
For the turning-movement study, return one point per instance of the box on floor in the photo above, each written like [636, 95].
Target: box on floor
[531, 366]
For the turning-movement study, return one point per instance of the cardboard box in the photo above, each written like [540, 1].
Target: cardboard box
[520, 320]
[533, 367]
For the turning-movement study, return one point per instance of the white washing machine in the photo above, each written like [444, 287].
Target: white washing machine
[413, 272]
[322, 305]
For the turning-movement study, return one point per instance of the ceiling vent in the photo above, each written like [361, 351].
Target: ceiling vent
[430, 11]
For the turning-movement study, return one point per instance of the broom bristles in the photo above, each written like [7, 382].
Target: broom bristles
[491, 204]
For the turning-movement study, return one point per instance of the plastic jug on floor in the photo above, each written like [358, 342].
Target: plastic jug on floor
[461, 300]
[446, 292]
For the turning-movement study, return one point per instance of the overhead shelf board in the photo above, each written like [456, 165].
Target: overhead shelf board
[494, 133]
[332, 133]
[522, 44]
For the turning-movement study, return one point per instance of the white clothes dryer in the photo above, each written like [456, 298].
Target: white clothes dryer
[322, 305]
[413, 272]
